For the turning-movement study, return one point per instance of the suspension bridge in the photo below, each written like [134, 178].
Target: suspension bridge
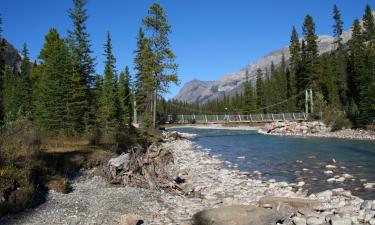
[238, 117]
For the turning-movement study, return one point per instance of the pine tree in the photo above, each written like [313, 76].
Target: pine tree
[125, 97]
[164, 68]
[25, 83]
[369, 26]
[294, 76]
[144, 78]
[340, 62]
[249, 96]
[260, 91]
[83, 63]
[310, 51]
[108, 100]
[338, 25]
[356, 62]
[328, 82]
[51, 91]
[366, 104]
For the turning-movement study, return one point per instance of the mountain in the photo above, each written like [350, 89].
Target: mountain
[201, 91]
[11, 55]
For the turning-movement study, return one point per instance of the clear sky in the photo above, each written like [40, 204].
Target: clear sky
[210, 37]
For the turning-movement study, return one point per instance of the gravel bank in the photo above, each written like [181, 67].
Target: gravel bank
[94, 201]
[314, 129]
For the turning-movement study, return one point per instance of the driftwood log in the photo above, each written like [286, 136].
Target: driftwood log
[145, 168]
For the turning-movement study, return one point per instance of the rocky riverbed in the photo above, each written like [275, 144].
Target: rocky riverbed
[314, 129]
[94, 201]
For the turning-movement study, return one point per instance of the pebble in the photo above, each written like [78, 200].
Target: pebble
[341, 221]
[330, 166]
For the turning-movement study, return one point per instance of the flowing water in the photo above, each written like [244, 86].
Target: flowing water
[293, 159]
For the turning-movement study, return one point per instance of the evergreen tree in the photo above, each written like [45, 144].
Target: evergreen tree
[83, 64]
[25, 83]
[369, 26]
[108, 100]
[328, 82]
[164, 68]
[311, 57]
[144, 78]
[125, 97]
[340, 60]
[51, 91]
[260, 91]
[249, 96]
[294, 76]
[338, 25]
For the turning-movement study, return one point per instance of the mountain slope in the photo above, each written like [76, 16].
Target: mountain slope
[202, 91]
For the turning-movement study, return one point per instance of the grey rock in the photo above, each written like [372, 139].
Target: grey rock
[299, 221]
[341, 221]
[236, 215]
[315, 221]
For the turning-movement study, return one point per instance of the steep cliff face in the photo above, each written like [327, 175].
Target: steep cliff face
[11, 56]
[230, 84]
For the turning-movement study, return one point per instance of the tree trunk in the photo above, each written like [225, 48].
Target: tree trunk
[154, 109]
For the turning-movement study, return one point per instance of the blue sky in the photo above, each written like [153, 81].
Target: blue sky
[210, 37]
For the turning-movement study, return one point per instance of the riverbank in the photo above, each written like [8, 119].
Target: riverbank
[94, 201]
[314, 129]
[299, 129]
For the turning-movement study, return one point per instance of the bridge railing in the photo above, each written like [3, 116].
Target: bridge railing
[269, 117]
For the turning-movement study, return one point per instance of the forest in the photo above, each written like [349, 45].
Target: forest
[342, 80]
[58, 114]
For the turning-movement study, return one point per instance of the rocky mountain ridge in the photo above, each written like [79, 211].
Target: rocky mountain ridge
[199, 91]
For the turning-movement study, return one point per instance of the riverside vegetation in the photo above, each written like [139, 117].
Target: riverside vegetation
[57, 116]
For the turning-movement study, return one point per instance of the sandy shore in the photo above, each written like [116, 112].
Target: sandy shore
[94, 201]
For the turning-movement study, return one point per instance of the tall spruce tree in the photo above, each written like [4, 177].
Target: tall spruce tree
[260, 91]
[25, 83]
[328, 82]
[249, 96]
[125, 96]
[51, 91]
[83, 63]
[369, 26]
[340, 60]
[311, 57]
[109, 98]
[144, 78]
[338, 25]
[367, 95]
[295, 68]
[164, 69]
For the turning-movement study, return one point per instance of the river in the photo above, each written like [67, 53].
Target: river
[293, 159]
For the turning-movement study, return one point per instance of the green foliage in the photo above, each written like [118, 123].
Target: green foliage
[109, 98]
[338, 25]
[125, 98]
[83, 68]
[164, 68]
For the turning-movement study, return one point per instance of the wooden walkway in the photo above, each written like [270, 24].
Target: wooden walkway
[248, 118]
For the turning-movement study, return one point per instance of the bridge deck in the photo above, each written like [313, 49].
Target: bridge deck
[251, 118]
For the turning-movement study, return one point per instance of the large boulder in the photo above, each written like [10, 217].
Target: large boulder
[237, 215]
